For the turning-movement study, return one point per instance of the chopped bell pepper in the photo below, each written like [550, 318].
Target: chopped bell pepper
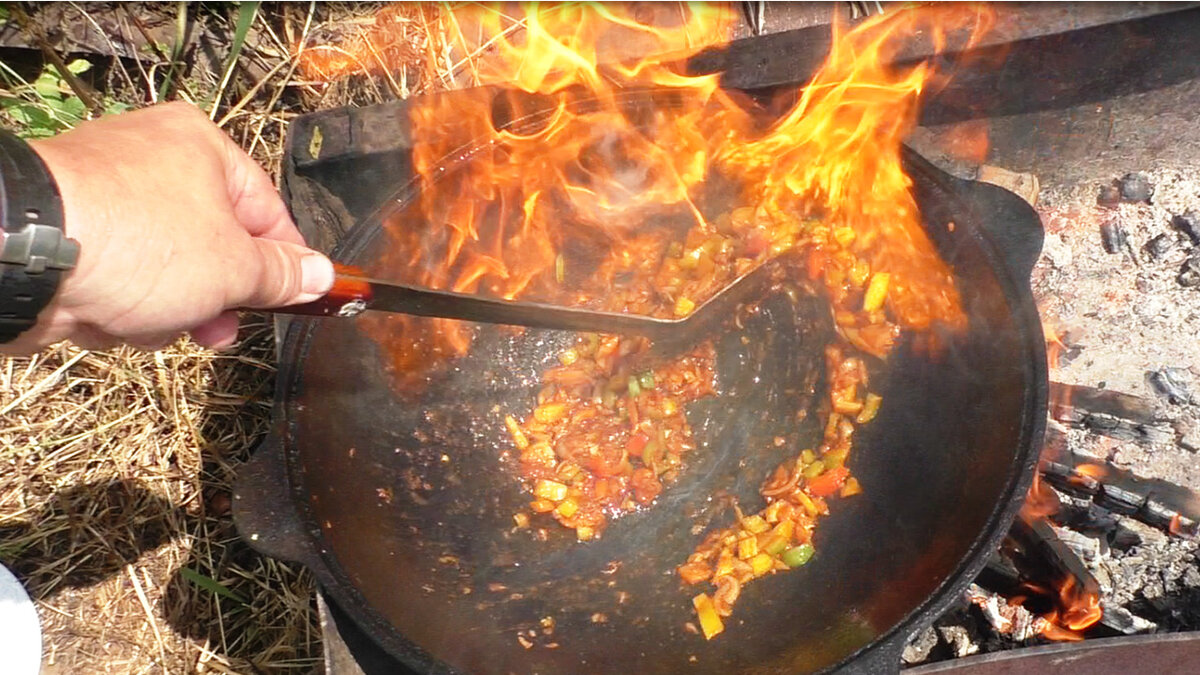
[710, 621]
[828, 482]
[798, 555]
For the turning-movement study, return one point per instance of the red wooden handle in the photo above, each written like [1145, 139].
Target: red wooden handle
[349, 296]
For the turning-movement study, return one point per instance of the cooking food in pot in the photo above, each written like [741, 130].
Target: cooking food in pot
[608, 432]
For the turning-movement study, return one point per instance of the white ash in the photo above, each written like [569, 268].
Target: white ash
[1134, 315]
[1128, 315]
[1125, 316]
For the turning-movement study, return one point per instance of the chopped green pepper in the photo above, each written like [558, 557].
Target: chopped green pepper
[634, 388]
[815, 469]
[646, 379]
[798, 555]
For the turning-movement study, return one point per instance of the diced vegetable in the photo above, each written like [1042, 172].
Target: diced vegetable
[850, 487]
[845, 406]
[828, 482]
[747, 547]
[755, 524]
[635, 389]
[778, 538]
[870, 408]
[540, 453]
[876, 292]
[798, 555]
[585, 533]
[568, 357]
[761, 564]
[646, 380]
[695, 572]
[844, 236]
[567, 508]
[551, 490]
[550, 412]
[518, 436]
[809, 507]
[724, 565]
[669, 407]
[710, 621]
[568, 470]
[684, 306]
[521, 519]
[560, 268]
[815, 469]
[636, 443]
[652, 453]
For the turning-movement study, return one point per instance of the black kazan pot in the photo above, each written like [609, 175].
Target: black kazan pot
[399, 506]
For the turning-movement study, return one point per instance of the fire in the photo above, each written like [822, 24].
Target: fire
[569, 167]
[1042, 500]
[582, 165]
[1093, 470]
[1076, 610]
[1055, 347]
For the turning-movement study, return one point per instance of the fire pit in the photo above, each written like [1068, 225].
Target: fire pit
[1047, 581]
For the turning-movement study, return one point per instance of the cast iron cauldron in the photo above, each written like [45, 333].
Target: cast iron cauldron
[437, 577]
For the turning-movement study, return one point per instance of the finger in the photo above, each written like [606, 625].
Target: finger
[220, 333]
[279, 274]
[256, 203]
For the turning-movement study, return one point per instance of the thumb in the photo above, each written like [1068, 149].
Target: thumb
[285, 274]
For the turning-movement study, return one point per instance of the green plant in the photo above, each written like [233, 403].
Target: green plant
[47, 105]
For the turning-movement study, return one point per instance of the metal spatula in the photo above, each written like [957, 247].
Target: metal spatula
[351, 295]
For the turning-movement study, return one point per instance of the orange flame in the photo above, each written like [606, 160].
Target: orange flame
[583, 167]
[1041, 502]
[1077, 610]
[1093, 470]
[1055, 347]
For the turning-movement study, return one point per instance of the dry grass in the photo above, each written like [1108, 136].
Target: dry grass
[118, 466]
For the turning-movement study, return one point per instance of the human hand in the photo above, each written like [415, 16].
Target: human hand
[177, 227]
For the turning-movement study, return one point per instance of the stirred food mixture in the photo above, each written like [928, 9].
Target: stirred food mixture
[608, 433]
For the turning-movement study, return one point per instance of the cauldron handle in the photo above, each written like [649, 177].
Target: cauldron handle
[263, 512]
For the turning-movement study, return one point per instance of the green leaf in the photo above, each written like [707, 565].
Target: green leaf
[79, 66]
[73, 107]
[116, 107]
[211, 585]
[246, 13]
[38, 121]
[48, 85]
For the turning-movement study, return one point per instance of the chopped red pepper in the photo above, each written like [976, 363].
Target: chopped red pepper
[645, 485]
[828, 482]
[636, 443]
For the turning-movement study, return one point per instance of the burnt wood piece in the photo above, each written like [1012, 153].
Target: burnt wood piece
[1112, 235]
[1155, 502]
[1038, 56]
[1002, 577]
[1111, 413]
[1038, 539]
[1033, 563]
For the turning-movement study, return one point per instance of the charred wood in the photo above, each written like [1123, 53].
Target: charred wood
[1110, 413]
[1161, 504]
